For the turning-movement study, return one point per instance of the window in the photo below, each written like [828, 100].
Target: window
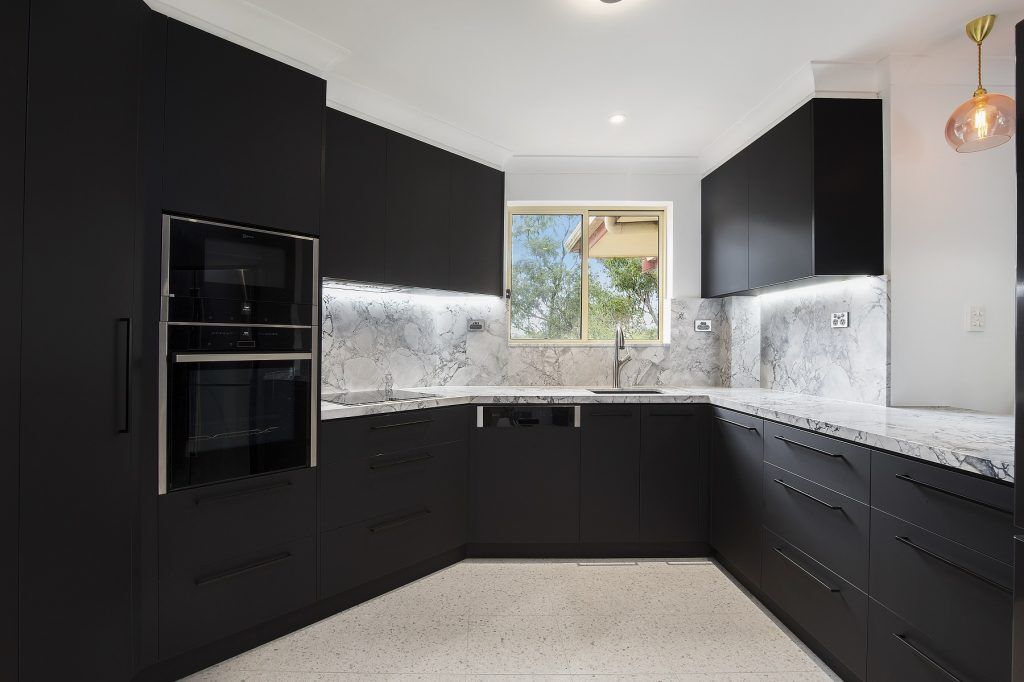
[575, 273]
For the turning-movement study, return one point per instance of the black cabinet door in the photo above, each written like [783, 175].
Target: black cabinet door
[737, 464]
[355, 209]
[723, 209]
[477, 228]
[243, 134]
[13, 80]
[77, 501]
[781, 201]
[672, 485]
[418, 215]
[610, 473]
[525, 485]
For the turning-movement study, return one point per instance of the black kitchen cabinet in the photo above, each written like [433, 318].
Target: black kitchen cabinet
[243, 135]
[418, 214]
[673, 491]
[352, 241]
[737, 499]
[14, 32]
[813, 201]
[724, 229]
[475, 243]
[77, 495]
[610, 473]
[525, 475]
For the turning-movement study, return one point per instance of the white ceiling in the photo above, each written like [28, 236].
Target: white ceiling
[541, 77]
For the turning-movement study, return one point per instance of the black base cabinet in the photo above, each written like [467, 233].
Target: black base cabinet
[737, 498]
[610, 473]
[673, 476]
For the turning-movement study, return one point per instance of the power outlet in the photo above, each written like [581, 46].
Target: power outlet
[702, 325]
[974, 318]
[840, 320]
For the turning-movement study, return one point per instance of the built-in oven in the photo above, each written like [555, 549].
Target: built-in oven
[239, 342]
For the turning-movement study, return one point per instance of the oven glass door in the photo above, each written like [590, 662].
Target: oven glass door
[237, 415]
[220, 262]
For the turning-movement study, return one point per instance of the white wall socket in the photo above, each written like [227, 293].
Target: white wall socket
[702, 325]
[840, 320]
[974, 318]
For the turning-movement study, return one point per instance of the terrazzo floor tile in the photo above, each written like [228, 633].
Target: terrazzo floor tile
[539, 621]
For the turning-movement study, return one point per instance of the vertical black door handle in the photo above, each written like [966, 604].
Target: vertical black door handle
[126, 394]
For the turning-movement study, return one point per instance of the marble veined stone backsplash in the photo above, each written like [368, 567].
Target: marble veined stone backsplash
[775, 341]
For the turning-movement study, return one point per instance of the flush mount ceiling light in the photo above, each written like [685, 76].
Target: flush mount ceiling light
[986, 120]
[609, 2]
[616, 119]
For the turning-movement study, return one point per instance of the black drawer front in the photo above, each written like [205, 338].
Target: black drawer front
[824, 604]
[828, 526]
[962, 599]
[206, 525]
[371, 549]
[365, 484]
[398, 431]
[899, 652]
[205, 603]
[835, 464]
[969, 510]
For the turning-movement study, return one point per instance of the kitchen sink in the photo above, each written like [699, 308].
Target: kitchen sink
[625, 391]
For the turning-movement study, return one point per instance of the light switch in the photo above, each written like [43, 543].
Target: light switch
[974, 318]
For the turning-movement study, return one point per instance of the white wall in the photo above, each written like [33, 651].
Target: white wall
[951, 236]
[592, 180]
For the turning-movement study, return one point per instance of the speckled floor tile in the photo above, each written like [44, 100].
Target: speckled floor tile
[539, 621]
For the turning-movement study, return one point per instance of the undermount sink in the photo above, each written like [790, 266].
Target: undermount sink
[625, 391]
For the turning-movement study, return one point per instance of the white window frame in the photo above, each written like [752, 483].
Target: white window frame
[585, 209]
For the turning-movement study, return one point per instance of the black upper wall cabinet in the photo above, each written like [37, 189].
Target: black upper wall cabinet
[243, 135]
[804, 200]
[400, 211]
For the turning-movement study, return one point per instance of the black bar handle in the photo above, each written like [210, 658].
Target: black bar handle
[808, 447]
[742, 426]
[808, 495]
[400, 521]
[952, 493]
[949, 562]
[224, 497]
[397, 462]
[925, 657]
[611, 414]
[242, 570]
[821, 583]
[395, 426]
[126, 424]
[671, 414]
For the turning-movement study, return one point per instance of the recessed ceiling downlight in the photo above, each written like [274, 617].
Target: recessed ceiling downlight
[616, 119]
[609, 2]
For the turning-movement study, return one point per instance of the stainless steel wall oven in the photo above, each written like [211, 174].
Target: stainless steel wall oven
[239, 336]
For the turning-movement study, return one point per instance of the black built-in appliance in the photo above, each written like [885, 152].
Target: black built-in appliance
[238, 336]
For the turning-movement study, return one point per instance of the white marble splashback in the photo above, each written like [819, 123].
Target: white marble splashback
[802, 353]
[423, 340]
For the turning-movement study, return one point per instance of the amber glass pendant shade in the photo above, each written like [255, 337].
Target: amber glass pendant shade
[982, 122]
[985, 120]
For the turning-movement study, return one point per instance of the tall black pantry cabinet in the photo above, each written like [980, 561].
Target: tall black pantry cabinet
[76, 492]
[13, 81]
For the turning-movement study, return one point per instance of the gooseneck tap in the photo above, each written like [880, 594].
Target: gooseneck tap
[620, 344]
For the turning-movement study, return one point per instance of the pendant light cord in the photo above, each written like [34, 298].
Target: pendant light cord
[979, 67]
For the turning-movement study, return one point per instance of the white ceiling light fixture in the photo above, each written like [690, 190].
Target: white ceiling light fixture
[616, 119]
[609, 2]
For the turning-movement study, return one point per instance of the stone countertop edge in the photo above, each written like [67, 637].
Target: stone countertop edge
[960, 439]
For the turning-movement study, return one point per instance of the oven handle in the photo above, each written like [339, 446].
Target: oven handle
[237, 357]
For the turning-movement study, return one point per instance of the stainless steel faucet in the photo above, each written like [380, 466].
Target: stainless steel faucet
[620, 344]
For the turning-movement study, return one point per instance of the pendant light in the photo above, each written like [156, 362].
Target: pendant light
[986, 120]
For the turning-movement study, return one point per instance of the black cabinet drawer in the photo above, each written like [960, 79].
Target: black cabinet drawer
[832, 610]
[835, 464]
[962, 599]
[899, 652]
[367, 484]
[828, 526]
[203, 525]
[737, 490]
[203, 604]
[394, 432]
[371, 549]
[970, 510]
